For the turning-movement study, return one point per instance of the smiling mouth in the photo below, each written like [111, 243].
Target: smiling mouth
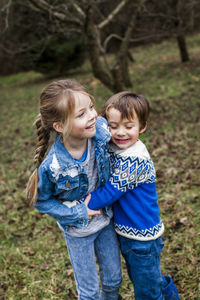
[120, 141]
[91, 126]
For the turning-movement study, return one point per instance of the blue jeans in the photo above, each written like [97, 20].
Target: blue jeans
[143, 265]
[82, 251]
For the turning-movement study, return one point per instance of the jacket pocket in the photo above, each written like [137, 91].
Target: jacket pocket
[68, 188]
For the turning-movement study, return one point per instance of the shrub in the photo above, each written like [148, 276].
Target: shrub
[60, 55]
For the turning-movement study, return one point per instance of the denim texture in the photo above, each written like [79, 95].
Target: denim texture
[61, 178]
[169, 291]
[82, 251]
[143, 265]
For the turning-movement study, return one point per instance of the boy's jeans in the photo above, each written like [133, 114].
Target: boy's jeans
[143, 265]
[82, 252]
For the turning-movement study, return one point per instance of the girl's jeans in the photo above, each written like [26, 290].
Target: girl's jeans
[143, 265]
[104, 244]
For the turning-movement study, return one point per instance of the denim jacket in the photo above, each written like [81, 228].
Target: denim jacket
[61, 179]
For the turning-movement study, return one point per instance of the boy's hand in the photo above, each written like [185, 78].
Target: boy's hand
[90, 212]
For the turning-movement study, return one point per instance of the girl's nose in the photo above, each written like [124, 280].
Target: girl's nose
[93, 114]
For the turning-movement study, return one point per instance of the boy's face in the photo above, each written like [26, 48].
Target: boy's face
[124, 132]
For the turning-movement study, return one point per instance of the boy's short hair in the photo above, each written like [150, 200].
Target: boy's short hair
[129, 103]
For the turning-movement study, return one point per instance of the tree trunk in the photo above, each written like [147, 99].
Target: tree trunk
[123, 56]
[117, 78]
[123, 67]
[182, 48]
[91, 33]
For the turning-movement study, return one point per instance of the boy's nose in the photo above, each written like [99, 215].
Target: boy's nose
[120, 131]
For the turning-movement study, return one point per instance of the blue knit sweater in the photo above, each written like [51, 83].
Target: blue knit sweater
[133, 184]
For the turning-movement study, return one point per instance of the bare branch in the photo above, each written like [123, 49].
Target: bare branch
[139, 39]
[109, 38]
[64, 17]
[41, 4]
[23, 48]
[159, 15]
[7, 9]
[113, 14]
[78, 9]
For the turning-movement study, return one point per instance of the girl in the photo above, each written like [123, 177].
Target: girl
[77, 163]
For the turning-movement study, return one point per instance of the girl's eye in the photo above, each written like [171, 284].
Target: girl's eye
[91, 106]
[80, 115]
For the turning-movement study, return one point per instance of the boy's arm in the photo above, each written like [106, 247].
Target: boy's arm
[127, 176]
[104, 196]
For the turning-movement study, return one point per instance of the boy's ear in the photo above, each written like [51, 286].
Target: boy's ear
[58, 126]
[144, 128]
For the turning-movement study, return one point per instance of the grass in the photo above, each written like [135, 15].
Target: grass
[33, 260]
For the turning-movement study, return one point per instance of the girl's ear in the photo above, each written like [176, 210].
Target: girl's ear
[144, 128]
[58, 126]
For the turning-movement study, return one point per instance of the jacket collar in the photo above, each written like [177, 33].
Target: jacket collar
[63, 157]
[102, 135]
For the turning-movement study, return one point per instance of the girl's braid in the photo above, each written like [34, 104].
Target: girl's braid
[56, 105]
[43, 141]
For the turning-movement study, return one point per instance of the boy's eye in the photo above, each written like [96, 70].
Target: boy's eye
[130, 125]
[113, 126]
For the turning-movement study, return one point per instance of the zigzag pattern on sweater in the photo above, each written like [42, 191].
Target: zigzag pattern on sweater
[134, 233]
[128, 172]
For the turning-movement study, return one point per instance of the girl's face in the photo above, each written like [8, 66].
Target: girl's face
[84, 121]
[124, 132]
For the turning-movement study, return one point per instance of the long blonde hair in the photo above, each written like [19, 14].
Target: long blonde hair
[56, 105]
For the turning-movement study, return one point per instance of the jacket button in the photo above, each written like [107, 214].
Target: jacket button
[103, 167]
[67, 184]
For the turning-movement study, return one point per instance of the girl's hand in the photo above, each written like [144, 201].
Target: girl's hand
[90, 212]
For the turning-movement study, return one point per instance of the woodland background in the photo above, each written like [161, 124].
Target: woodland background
[149, 47]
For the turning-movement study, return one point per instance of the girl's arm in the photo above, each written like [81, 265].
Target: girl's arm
[127, 176]
[76, 215]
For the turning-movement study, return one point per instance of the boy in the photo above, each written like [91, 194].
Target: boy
[133, 184]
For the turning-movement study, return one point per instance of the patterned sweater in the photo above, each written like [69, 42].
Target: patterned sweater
[133, 184]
